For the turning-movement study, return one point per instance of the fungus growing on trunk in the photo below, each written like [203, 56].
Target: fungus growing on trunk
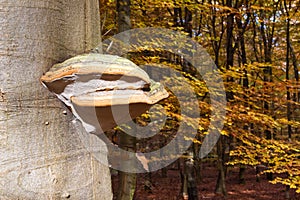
[103, 90]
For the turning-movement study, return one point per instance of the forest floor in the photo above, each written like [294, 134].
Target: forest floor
[169, 188]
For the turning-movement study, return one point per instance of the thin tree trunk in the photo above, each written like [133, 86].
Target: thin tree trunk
[267, 36]
[245, 80]
[213, 34]
[197, 162]
[123, 9]
[188, 178]
[295, 62]
[127, 181]
[190, 181]
[296, 95]
[42, 152]
[288, 94]
[221, 185]
[188, 23]
[221, 146]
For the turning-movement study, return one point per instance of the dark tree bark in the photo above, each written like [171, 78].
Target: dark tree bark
[222, 143]
[296, 95]
[221, 185]
[213, 34]
[267, 33]
[188, 26]
[245, 81]
[123, 9]
[189, 186]
[288, 94]
[127, 181]
[177, 17]
[287, 72]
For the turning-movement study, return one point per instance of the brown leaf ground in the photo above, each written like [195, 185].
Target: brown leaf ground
[168, 188]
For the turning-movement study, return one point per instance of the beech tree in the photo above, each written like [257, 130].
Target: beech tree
[41, 146]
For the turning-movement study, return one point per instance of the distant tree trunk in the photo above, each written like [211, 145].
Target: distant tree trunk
[267, 37]
[188, 23]
[216, 44]
[42, 155]
[123, 9]
[221, 185]
[245, 81]
[177, 17]
[197, 162]
[288, 94]
[287, 70]
[127, 181]
[189, 186]
[222, 144]
[268, 133]
[254, 45]
[296, 95]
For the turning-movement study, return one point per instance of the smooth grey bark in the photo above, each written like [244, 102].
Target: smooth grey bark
[42, 149]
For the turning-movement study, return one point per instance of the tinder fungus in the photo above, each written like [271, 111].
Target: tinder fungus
[103, 91]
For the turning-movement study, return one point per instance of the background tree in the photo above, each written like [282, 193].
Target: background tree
[248, 41]
[127, 181]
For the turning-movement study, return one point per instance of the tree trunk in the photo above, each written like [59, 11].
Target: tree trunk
[127, 181]
[190, 185]
[296, 73]
[267, 34]
[287, 69]
[288, 94]
[188, 21]
[222, 144]
[123, 9]
[245, 81]
[42, 152]
[221, 184]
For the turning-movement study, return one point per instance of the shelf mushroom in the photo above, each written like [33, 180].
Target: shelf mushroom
[103, 91]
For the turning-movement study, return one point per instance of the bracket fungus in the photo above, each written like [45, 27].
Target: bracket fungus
[103, 91]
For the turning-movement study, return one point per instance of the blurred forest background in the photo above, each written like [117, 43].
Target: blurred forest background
[255, 45]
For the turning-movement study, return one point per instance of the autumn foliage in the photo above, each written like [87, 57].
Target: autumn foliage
[248, 42]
